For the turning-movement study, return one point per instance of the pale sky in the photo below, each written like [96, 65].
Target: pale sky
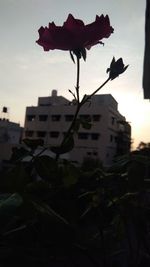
[27, 72]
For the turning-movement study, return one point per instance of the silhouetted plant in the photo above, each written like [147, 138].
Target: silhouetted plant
[53, 213]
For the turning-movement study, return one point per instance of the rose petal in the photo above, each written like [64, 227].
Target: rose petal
[74, 34]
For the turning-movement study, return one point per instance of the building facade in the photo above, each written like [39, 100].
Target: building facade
[10, 136]
[109, 135]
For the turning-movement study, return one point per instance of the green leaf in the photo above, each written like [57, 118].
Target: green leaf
[41, 188]
[15, 178]
[8, 204]
[119, 227]
[67, 146]
[46, 167]
[86, 123]
[136, 176]
[18, 153]
[70, 175]
[19, 228]
[87, 194]
[34, 143]
[86, 211]
[43, 208]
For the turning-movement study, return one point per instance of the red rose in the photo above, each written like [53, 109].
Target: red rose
[74, 34]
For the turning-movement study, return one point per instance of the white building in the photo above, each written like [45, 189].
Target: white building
[109, 135]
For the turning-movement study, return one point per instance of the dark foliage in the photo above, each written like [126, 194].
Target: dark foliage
[55, 214]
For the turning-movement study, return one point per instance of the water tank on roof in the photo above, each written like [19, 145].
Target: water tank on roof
[5, 110]
[54, 92]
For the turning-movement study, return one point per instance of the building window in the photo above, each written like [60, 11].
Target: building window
[116, 139]
[112, 120]
[69, 117]
[43, 117]
[54, 134]
[30, 117]
[83, 135]
[94, 153]
[94, 136]
[121, 126]
[96, 117]
[111, 138]
[56, 117]
[41, 134]
[85, 117]
[29, 133]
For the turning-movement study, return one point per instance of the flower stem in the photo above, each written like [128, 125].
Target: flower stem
[79, 104]
[78, 79]
[77, 109]
[85, 99]
[78, 100]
